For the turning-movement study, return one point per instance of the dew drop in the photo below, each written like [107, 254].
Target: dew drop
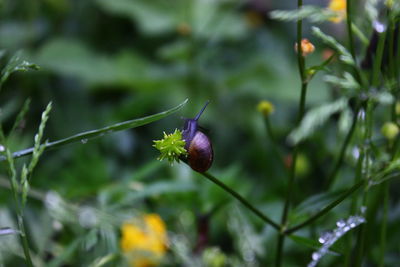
[340, 223]
[84, 141]
[315, 256]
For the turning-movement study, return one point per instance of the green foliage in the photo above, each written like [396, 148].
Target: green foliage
[316, 118]
[313, 13]
[104, 62]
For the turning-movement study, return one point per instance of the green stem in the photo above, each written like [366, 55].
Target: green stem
[332, 176]
[385, 188]
[349, 30]
[19, 211]
[24, 239]
[289, 194]
[325, 210]
[84, 136]
[242, 200]
[378, 59]
[275, 147]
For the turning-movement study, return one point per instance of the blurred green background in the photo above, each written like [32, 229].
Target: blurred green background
[106, 61]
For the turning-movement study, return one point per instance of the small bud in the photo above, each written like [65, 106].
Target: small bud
[266, 108]
[306, 47]
[390, 130]
[171, 147]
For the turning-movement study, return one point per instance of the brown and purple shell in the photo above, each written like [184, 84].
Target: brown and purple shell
[198, 145]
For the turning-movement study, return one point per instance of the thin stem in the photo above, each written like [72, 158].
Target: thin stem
[24, 239]
[325, 210]
[338, 164]
[385, 188]
[289, 194]
[241, 199]
[275, 147]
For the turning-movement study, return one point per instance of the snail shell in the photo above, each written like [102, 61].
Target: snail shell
[198, 145]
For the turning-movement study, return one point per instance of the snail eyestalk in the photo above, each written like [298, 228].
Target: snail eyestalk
[201, 111]
[171, 147]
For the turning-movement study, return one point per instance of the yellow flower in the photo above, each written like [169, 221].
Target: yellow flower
[144, 240]
[306, 47]
[265, 107]
[339, 7]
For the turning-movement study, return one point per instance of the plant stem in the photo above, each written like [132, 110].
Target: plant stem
[332, 176]
[19, 211]
[84, 136]
[275, 147]
[385, 188]
[325, 210]
[242, 200]
[292, 173]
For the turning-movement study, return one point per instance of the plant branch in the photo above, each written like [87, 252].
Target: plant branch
[84, 136]
[332, 176]
[241, 199]
[325, 210]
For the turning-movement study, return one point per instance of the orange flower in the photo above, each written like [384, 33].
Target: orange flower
[339, 7]
[144, 240]
[306, 47]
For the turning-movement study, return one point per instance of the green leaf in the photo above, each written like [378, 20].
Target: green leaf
[104, 260]
[85, 136]
[316, 118]
[347, 82]
[16, 63]
[345, 56]
[313, 13]
[152, 17]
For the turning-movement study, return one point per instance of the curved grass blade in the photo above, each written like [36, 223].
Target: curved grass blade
[84, 136]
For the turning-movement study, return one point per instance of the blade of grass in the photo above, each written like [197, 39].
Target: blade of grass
[84, 136]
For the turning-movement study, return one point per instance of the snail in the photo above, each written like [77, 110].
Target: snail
[198, 145]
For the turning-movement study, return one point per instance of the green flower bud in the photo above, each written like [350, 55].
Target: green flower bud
[171, 147]
[266, 108]
[390, 130]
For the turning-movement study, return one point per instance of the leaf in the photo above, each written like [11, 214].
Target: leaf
[103, 260]
[16, 63]
[345, 56]
[152, 17]
[313, 13]
[345, 120]
[85, 136]
[347, 82]
[316, 118]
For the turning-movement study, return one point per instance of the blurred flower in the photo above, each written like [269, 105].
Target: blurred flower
[214, 257]
[144, 240]
[171, 147]
[390, 130]
[306, 47]
[339, 7]
[265, 107]
[183, 28]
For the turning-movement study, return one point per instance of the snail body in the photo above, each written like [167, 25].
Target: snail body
[198, 145]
